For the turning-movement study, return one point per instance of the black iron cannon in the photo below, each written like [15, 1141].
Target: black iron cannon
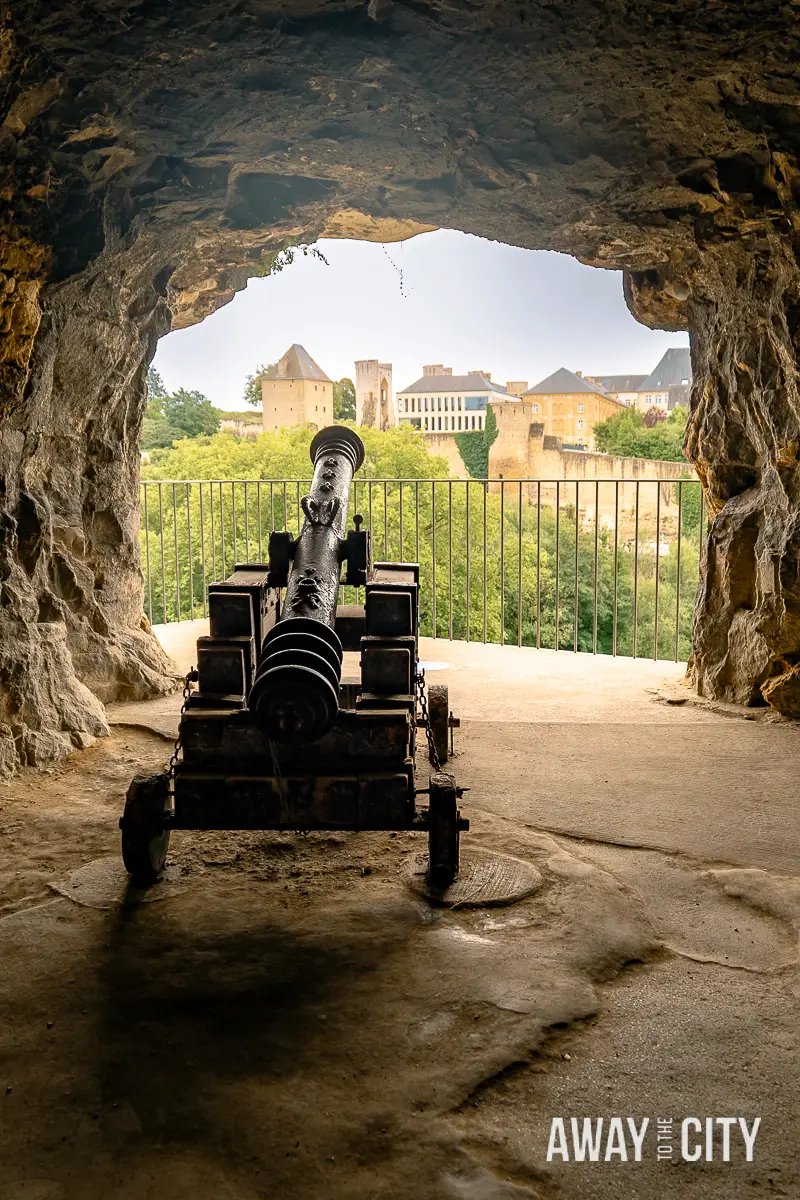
[274, 736]
[295, 696]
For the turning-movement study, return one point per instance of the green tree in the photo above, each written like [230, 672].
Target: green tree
[344, 400]
[252, 386]
[190, 411]
[627, 434]
[157, 433]
[653, 416]
[155, 388]
[399, 453]
[170, 416]
[543, 574]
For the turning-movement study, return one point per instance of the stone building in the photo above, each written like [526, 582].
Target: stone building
[296, 391]
[374, 399]
[569, 407]
[670, 383]
[608, 487]
[441, 402]
[624, 388]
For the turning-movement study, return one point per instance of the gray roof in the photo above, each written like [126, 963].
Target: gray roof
[674, 366]
[297, 363]
[620, 383]
[563, 382]
[453, 383]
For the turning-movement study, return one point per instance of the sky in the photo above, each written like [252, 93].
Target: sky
[463, 301]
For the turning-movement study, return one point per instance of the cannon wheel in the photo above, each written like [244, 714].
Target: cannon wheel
[438, 714]
[144, 838]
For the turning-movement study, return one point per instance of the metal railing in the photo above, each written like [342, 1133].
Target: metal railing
[604, 566]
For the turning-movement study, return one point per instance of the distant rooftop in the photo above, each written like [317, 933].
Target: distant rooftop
[297, 363]
[619, 383]
[675, 366]
[453, 383]
[564, 382]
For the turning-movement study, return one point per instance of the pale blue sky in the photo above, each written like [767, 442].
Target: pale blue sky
[468, 303]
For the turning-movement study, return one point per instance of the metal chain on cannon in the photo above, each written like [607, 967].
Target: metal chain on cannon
[192, 676]
[433, 753]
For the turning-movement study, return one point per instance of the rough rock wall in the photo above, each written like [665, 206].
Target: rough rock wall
[155, 153]
[744, 437]
[71, 627]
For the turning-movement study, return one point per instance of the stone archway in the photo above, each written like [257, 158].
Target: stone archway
[155, 155]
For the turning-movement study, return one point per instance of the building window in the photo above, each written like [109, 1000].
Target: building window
[440, 422]
[684, 382]
[426, 404]
[580, 408]
[580, 424]
[536, 408]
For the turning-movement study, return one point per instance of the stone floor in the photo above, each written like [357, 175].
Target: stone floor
[284, 1017]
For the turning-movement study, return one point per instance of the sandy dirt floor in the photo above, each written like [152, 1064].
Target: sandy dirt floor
[284, 1017]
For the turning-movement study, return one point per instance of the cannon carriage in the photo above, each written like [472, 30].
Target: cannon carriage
[274, 736]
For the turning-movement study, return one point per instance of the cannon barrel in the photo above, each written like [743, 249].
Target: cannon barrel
[295, 694]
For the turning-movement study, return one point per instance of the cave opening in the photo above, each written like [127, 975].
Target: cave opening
[291, 1018]
[148, 183]
[494, 313]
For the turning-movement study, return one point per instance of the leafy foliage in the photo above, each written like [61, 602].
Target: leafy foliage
[344, 400]
[155, 385]
[158, 433]
[192, 412]
[170, 416]
[399, 453]
[654, 416]
[252, 386]
[626, 433]
[474, 446]
[517, 586]
[275, 261]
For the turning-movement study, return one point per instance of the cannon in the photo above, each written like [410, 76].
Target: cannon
[272, 734]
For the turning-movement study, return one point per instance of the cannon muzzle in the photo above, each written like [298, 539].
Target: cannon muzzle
[295, 694]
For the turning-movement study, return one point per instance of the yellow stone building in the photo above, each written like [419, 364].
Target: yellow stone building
[296, 391]
[569, 407]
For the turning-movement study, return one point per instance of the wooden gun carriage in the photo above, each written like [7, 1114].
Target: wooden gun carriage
[274, 737]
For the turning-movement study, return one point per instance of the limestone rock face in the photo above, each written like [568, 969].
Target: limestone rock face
[155, 154]
[72, 632]
[743, 437]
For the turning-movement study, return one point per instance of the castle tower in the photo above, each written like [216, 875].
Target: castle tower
[296, 391]
[374, 394]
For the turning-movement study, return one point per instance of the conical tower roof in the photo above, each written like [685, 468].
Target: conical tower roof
[297, 363]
